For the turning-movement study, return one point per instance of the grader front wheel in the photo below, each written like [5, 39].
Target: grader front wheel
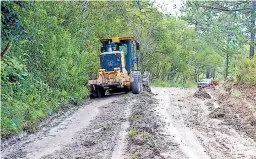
[101, 92]
[137, 82]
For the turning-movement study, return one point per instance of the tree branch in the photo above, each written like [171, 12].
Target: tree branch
[224, 9]
[6, 50]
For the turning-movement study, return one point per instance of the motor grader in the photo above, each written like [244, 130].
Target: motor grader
[119, 72]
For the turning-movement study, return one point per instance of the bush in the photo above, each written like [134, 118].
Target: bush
[46, 68]
[247, 72]
[25, 100]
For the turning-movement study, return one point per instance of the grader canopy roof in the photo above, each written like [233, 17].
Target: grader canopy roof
[117, 39]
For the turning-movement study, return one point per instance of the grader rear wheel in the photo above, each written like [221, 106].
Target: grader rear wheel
[146, 81]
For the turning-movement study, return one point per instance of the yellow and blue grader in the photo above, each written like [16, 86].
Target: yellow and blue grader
[119, 71]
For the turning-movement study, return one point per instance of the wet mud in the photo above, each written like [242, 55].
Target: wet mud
[169, 123]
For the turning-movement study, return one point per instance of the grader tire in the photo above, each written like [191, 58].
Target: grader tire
[100, 92]
[141, 86]
[137, 82]
[146, 81]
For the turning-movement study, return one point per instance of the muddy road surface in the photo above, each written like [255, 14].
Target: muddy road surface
[171, 123]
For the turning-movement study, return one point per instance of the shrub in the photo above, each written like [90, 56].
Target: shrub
[132, 133]
[247, 72]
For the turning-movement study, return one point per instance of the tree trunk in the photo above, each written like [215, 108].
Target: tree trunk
[177, 78]
[252, 28]
[227, 63]
[196, 68]
[213, 73]
[6, 50]
[196, 75]
[207, 74]
[184, 78]
[163, 73]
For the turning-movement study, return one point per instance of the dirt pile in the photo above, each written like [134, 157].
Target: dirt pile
[249, 92]
[210, 106]
[202, 94]
[237, 108]
[217, 113]
[145, 138]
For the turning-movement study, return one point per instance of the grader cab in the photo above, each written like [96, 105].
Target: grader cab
[119, 71]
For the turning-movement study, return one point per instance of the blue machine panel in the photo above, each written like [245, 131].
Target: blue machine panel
[111, 61]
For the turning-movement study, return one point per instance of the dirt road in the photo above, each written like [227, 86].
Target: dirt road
[170, 123]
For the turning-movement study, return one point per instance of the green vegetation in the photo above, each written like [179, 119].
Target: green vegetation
[50, 49]
[145, 135]
[247, 71]
[132, 133]
[161, 84]
[135, 117]
[224, 26]
[134, 156]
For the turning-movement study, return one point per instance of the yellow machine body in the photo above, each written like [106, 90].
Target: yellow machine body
[107, 80]
[119, 67]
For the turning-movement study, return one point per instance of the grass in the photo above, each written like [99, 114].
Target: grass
[161, 84]
[145, 135]
[135, 117]
[153, 144]
[134, 156]
[126, 98]
[132, 133]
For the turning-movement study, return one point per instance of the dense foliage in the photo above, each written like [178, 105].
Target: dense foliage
[247, 71]
[50, 50]
[228, 27]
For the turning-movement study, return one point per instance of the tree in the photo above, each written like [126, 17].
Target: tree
[216, 20]
[242, 11]
[11, 26]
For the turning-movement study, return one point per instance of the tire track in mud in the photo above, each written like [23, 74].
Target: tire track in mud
[219, 139]
[128, 128]
[119, 149]
[58, 133]
[107, 134]
[183, 136]
[147, 139]
[170, 125]
[100, 138]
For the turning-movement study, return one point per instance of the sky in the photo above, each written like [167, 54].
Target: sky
[168, 6]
